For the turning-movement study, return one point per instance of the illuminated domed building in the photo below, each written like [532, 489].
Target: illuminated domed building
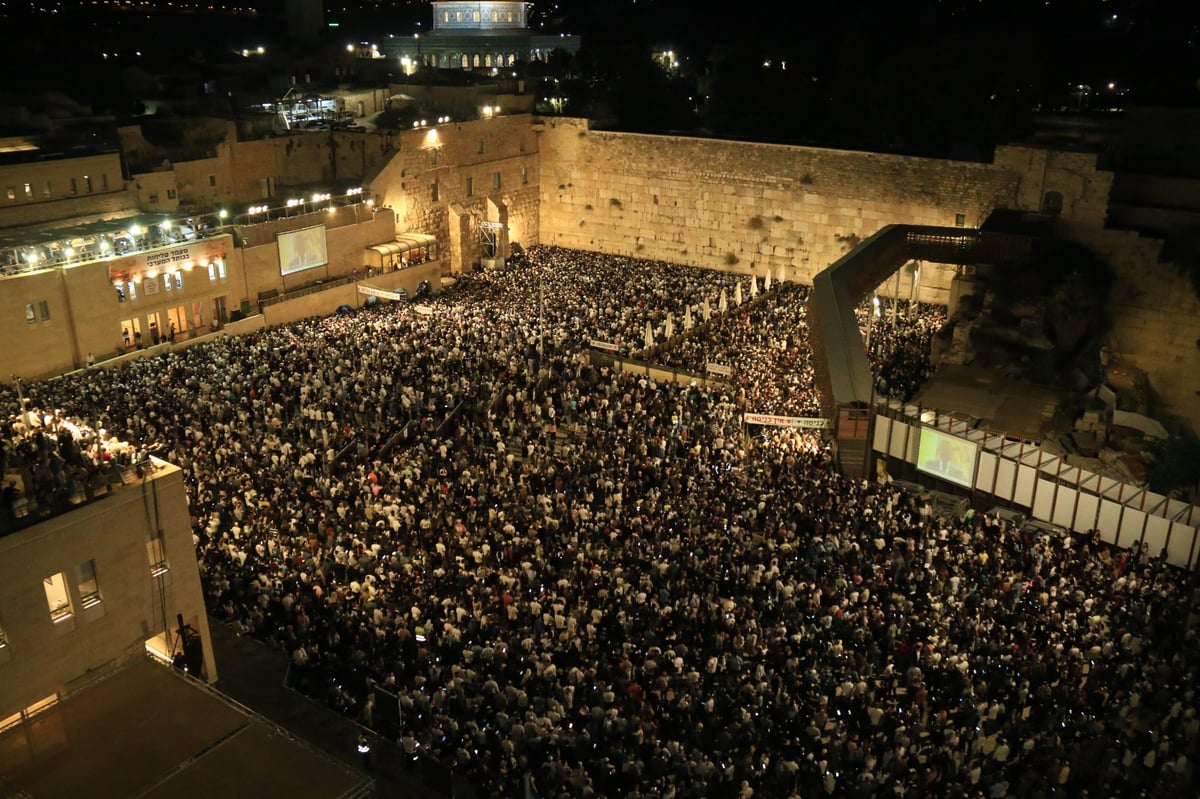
[477, 35]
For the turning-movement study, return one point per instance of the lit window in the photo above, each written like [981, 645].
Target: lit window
[89, 589]
[3, 638]
[131, 290]
[212, 271]
[28, 191]
[30, 316]
[221, 268]
[12, 192]
[179, 280]
[524, 175]
[57, 599]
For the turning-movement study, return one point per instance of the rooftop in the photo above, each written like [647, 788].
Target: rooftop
[150, 732]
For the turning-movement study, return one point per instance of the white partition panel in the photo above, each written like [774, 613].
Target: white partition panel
[1050, 465]
[986, 475]
[1014, 449]
[1133, 521]
[1026, 475]
[914, 443]
[1064, 507]
[1156, 534]
[896, 446]
[1043, 499]
[1033, 457]
[1132, 497]
[1109, 486]
[1006, 475]
[1090, 481]
[1109, 525]
[1181, 546]
[1176, 508]
[1085, 512]
[1155, 504]
[883, 428]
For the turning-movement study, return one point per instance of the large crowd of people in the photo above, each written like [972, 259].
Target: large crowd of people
[764, 344]
[593, 584]
[898, 338]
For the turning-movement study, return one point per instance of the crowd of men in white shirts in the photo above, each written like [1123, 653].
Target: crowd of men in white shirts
[592, 583]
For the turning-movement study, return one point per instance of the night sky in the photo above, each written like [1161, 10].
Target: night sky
[925, 77]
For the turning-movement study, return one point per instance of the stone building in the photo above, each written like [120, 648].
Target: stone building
[476, 35]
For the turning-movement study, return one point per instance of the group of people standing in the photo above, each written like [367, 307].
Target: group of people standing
[541, 572]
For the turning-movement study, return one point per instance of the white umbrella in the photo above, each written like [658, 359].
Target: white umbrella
[767, 281]
[753, 286]
[706, 309]
[737, 293]
[723, 304]
[670, 326]
[687, 318]
[649, 336]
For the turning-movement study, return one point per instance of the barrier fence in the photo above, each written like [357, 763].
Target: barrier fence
[1049, 488]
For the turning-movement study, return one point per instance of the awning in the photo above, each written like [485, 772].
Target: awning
[404, 243]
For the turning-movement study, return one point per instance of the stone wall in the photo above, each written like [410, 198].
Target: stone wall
[446, 180]
[346, 247]
[743, 207]
[1156, 318]
[747, 207]
[61, 188]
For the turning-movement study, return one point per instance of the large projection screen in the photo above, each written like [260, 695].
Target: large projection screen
[302, 249]
[947, 457]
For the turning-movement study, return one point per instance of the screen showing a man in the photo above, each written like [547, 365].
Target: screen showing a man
[302, 249]
[949, 457]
